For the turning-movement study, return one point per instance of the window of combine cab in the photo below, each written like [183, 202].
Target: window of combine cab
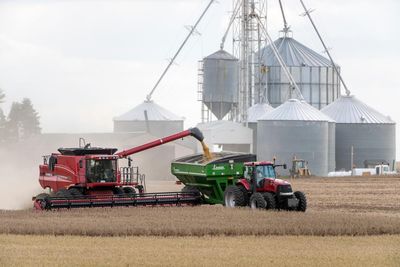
[265, 171]
[101, 171]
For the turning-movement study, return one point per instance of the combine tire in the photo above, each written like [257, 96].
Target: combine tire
[75, 192]
[118, 191]
[270, 200]
[130, 191]
[302, 201]
[63, 193]
[42, 200]
[257, 201]
[233, 197]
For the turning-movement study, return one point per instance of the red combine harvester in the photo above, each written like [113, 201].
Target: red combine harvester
[91, 177]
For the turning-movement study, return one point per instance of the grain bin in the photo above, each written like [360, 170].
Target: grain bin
[220, 83]
[295, 129]
[372, 135]
[149, 117]
[254, 113]
[313, 73]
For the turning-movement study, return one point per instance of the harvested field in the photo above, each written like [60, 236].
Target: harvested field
[338, 206]
[205, 251]
[372, 195]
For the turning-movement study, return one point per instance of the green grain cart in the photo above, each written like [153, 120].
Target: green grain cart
[211, 177]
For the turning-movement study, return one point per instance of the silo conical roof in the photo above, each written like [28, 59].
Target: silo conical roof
[293, 53]
[154, 113]
[221, 54]
[295, 110]
[348, 109]
[258, 110]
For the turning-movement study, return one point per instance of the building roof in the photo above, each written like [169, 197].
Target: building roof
[154, 113]
[221, 54]
[348, 109]
[295, 110]
[256, 111]
[293, 53]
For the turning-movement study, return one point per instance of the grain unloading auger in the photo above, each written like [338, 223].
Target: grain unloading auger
[91, 177]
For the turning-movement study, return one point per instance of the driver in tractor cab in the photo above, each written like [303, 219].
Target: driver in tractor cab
[259, 175]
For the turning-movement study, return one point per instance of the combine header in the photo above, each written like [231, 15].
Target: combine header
[91, 177]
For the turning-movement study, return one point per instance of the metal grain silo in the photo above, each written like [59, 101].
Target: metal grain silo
[313, 73]
[254, 113]
[295, 129]
[149, 117]
[372, 135]
[220, 83]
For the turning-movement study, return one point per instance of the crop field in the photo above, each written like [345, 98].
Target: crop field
[350, 221]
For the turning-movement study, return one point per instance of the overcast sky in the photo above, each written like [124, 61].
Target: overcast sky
[84, 62]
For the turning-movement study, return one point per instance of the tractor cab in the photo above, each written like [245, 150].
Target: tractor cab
[261, 176]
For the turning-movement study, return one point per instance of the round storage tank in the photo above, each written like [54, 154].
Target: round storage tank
[313, 73]
[149, 117]
[220, 83]
[372, 135]
[254, 113]
[295, 129]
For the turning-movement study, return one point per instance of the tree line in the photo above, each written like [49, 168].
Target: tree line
[21, 122]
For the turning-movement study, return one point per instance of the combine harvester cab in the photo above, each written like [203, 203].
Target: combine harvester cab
[236, 179]
[91, 177]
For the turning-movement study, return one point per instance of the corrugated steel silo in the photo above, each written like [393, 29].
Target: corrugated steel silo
[295, 129]
[313, 73]
[220, 83]
[372, 135]
[254, 113]
[149, 117]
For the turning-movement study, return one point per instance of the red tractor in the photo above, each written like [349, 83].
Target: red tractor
[260, 189]
[90, 176]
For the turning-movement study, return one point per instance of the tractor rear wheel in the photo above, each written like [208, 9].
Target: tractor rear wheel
[257, 201]
[245, 193]
[233, 197]
[130, 191]
[270, 200]
[302, 206]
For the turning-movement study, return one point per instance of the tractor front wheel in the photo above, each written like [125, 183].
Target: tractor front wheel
[302, 206]
[234, 197]
[257, 201]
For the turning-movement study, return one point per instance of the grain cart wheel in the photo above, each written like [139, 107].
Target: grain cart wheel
[130, 191]
[302, 206]
[257, 201]
[233, 197]
[42, 200]
[270, 200]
